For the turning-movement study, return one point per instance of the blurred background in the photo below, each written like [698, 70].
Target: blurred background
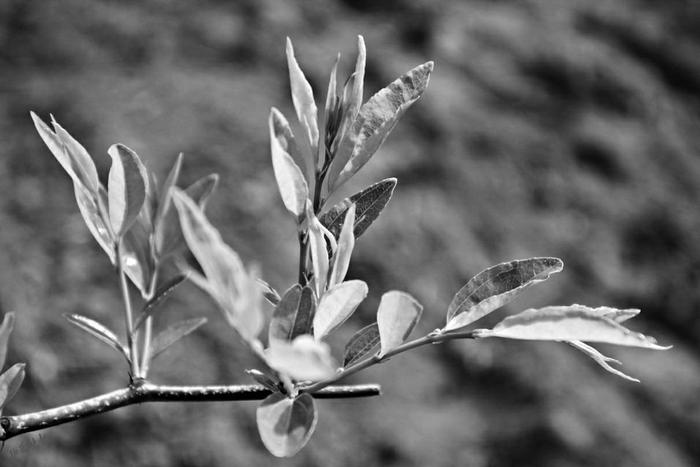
[550, 128]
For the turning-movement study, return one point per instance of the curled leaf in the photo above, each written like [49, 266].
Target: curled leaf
[269, 293]
[286, 425]
[495, 287]
[290, 179]
[337, 305]
[343, 252]
[568, 323]
[319, 252]
[303, 98]
[126, 188]
[270, 381]
[361, 344]
[602, 360]
[303, 359]
[397, 315]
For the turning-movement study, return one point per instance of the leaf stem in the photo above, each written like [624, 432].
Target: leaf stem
[147, 392]
[432, 338]
[131, 335]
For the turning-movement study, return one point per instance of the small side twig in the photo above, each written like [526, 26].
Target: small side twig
[146, 392]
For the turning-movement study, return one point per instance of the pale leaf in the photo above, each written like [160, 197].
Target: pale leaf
[337, 305]
[303, 98]
[303, 359]
[568, 323]
[8, 324]
[286, 425]
[397, 315]
[343, 252]
[290, 179]
[98, 331]
[319, 252]
[10, 382]
[602, 360]
[126, 188]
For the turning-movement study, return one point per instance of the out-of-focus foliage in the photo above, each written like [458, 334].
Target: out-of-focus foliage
[550, 128]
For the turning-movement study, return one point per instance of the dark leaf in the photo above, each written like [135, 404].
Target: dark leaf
[361, 344]
[159, 296]
[269, 293]
[267, 380]
[369, 204]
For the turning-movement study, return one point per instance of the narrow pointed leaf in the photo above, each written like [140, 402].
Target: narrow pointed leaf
[126, 188]
[160, 295]
[397, 315]
[99, 331]
[343, 252]
[328, 124]
[368, 205]
[290, 179]
[319, 251]
[269, 293]
[174, 333]
[361, 344]
[8, 324]
[305, 315]
[378, 116]
[602, 360]
[303, 359]
[303, 98]
[286, 425]
[495, 287]
[170, 241]
[10, 382]
[70, 154]
[337, 305]
[96, 221]
[165, 195]
[568, 323]
[267, 380]
[81, 161]
[355, 101]
[225, 278]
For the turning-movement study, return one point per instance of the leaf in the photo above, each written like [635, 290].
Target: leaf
[319, 252]
[568, 323]
[233, 288]
[368, 205]
[173, 333]
[99, 331]
[330, 115]
[8, 324]
[290, 179]
[303, 359]
[397, 315]
[377, 117]
[286, 425]
[160, 295]
[126, 188]
[95, 218]
[10, 382]
[267, 380]
[269, 293]
[362, 343]
[72, 156]
[337, 305]
[303, 98]
[343, 252]
[495, 287]
[284, 316]
[602, 360]
[352, 101]
[165, 197]
[170, 241]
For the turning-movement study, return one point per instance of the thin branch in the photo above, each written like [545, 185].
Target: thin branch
[16, 425]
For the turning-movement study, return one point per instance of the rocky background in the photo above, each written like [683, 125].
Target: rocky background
[563, 128]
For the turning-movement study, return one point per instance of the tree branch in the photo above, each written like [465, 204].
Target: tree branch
[146, 392]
